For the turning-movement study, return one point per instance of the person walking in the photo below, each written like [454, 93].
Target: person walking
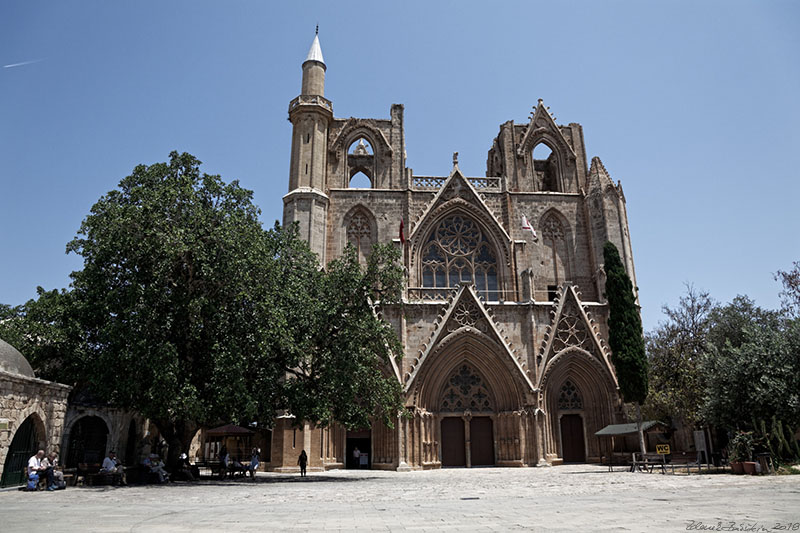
[302, 461]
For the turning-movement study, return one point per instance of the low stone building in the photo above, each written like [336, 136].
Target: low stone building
[503, 319]
[32, 414]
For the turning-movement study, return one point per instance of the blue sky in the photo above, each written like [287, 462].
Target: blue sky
[693, 105]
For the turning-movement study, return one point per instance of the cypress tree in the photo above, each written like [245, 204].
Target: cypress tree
[625, 336]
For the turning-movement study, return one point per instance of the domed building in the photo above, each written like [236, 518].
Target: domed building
[32, 414]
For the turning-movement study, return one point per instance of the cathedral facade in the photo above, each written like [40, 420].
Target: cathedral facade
[503, 320]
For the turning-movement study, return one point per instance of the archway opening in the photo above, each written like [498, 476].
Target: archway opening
[23, 446]
[87, 441]
[359, 447]
[545, 168]
[360, 146]
[359, 180]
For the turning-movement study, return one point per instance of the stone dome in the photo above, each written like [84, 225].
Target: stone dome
[14, 362]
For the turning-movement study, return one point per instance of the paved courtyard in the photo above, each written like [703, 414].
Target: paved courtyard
[564, 498]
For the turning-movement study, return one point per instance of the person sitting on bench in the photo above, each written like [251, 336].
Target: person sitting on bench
[55, 477]
[112, 466]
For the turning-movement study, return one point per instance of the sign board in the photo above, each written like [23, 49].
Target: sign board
[364, 459]
[700, 446]
[3, 424]
[662, 449]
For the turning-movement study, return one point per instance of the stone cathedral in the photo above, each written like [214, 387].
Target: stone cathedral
[504, 318]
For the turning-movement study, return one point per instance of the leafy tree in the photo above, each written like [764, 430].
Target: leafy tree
[43, 329]
[192, 314]
[790, 279]
[675, 350]
[343, 372]
[625, 334]
[752, 369]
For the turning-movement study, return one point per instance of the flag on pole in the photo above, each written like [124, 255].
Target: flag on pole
[402, 235]
[527, 226]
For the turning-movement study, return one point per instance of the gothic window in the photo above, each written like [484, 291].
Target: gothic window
[359, 234]
[360, 164]
[465, 390]
[556, 259]
[569, 397]
[545, 168]
[457, 250]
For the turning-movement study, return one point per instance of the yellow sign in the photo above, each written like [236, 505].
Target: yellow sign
[662, 449]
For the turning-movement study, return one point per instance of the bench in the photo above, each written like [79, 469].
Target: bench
[615, 459]
[647, 462]
[92, 476]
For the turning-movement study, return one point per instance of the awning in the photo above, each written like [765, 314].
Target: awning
[229, 430]
[614, 430]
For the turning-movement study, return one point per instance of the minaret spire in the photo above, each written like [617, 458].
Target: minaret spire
[315, 52]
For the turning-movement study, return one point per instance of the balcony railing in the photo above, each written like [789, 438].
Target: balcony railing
[305, 99]
[430, 294]
[434, 182]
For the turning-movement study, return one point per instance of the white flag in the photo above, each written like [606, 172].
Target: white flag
[527, 226]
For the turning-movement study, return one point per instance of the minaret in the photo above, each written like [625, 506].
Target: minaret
[310, 114]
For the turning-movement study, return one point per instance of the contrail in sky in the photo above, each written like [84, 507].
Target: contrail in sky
[12, 65]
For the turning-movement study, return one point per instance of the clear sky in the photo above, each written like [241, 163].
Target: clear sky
[693, 105]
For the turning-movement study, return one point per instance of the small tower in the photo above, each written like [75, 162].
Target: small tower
[310, 115]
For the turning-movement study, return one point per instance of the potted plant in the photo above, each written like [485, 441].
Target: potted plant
[740, 453]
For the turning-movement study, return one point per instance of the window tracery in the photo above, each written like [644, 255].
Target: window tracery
[359, 233]
[457, 250]
[465, 391]
[569, 397]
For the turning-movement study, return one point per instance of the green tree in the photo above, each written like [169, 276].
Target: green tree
[752, 369]
[675, 351]
[625, 336]
[343, 370]
[192, 314]
[43, 329]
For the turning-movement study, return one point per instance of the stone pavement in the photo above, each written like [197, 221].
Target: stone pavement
[563, 498]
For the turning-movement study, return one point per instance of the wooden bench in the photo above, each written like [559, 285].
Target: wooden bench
[647, 462]
[615, 459]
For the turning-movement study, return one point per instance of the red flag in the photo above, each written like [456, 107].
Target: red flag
[402, 235]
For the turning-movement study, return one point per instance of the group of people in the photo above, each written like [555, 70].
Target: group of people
[47, 467]
[229, 464]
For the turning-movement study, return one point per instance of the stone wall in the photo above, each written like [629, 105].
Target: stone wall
[22, 397]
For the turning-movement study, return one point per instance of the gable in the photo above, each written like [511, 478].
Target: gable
[465, 313]
[571, 328]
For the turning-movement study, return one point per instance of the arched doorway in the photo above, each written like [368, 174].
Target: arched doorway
[466, 393]
[23, 446]
[573, 447]
[87, 441]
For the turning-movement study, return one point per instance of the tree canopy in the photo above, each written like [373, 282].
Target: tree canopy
[188, 311]
[676, 349]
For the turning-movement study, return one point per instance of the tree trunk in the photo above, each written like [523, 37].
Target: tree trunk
[639, 428]
[179, 437]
